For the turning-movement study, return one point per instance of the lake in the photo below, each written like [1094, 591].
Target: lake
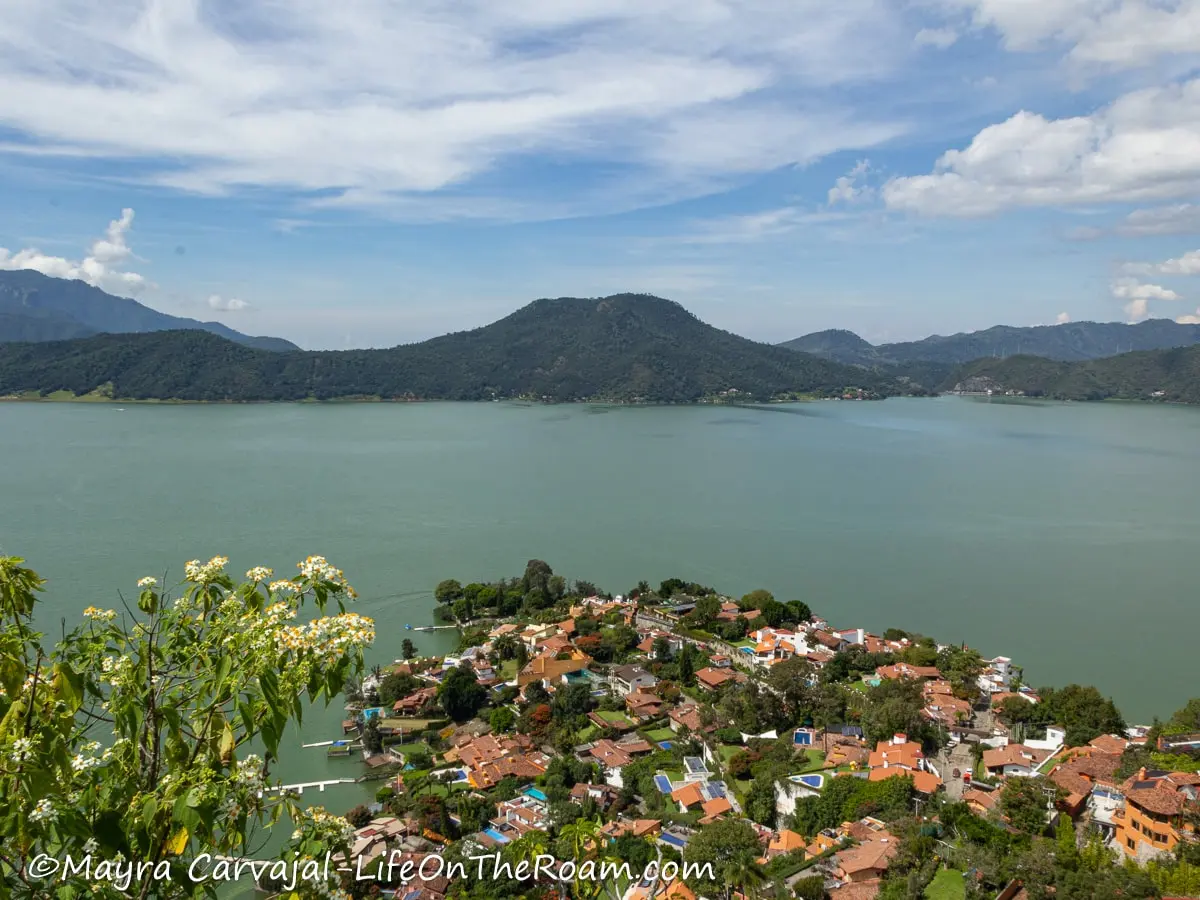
[1062, 535]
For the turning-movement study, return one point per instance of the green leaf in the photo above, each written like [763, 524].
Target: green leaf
[149, 811]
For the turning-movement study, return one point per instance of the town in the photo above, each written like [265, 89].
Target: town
[798, 757]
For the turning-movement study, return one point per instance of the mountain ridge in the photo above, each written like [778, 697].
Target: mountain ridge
[37, 307]
[625, 347]
[1068, 342]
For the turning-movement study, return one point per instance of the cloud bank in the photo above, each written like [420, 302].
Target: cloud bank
[103, 267]
[376, 102]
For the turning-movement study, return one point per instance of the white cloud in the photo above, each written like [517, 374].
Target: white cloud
[1188, 264]
[373, 102]
[226, 304]
[1144, 146]
[1114, 34]
[941, 38]
[848, 188]
[1179, 218]
[1139, 296]
[103, 267]
[1190, 318]
[1062, 318]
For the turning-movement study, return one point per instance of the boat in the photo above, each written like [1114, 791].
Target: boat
[407, 627]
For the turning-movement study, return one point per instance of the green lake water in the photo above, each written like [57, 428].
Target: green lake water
[1062, 535]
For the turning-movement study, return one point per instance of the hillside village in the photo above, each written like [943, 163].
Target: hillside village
[800, 757]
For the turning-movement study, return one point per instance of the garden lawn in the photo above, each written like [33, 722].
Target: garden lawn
[660, 734]
[948, 884]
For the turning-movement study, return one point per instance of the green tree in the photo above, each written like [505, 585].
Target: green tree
[661, 648]
[755, 599]
[460, 694]
[760, 801]
[723, 844]
[1027, 802]
[502, 719]
[372, 739]
[407, 649]
[177, 690]
[448, 591]
[396, 686]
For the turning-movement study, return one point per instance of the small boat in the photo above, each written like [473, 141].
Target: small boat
[407, 627]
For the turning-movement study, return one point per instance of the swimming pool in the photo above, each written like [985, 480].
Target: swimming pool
[535, 794]
[663, 783]
[495, 835]
[673, 840]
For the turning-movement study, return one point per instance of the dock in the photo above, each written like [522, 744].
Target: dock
[433, 627]
[340, 743]
[300, 788]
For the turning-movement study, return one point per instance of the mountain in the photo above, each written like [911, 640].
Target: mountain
[839, 345]
[35, 307]
[1167, 375]
[625, 347]
[1070, 342]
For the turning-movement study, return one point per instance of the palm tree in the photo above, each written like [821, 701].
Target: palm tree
[744, 874]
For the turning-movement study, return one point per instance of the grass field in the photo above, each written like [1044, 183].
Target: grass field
[948, 884]
[660, 734]
[613, 717]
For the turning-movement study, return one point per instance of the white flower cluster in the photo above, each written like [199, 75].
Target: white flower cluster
[118, 670]
[324, 826]
[249, 773]
[22, 749]
[283, 587]
[329, 637]
[259, 573]
[317, 568]
[203, 573]
[148, 582]
[100, 615]
[43, 812]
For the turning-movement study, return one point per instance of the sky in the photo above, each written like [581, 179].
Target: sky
[377, 172]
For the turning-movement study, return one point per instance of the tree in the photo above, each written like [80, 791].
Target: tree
[372, 739]
[407, 649]
[723, 844]
[760, 801]
[572, 700]
[502, 719]
[396, 686]
[755, 599]
[741, 763]
[810, 888]
[793, 679]
[460, 694]
[894, 707]
[707, 609]
[687, 665]
[178, 689]
[359, 817]
[448, 591]
[661, 648]
[1026, 803]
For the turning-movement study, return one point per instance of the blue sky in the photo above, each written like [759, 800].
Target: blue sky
[377, 172]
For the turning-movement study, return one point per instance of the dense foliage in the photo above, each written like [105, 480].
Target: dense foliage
[131, 737]
[36, 307]
[1167, 375]
[623, 348]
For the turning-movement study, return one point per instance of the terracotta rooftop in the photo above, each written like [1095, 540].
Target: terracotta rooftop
[1014, 755]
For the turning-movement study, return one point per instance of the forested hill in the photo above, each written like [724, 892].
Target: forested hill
[36, 307]
[626, 347]
[1166, 375]
[1069, 342]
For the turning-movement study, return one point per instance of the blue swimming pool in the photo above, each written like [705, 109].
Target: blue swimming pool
[495, 835]
[666, 745]
[535, 794]
[663, 783]
[673, 840]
